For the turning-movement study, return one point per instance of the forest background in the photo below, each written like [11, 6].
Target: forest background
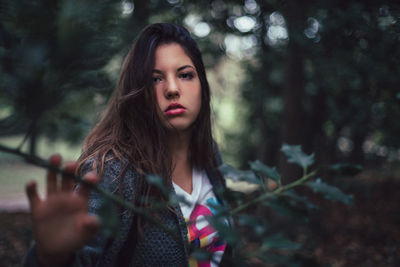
[320, 74]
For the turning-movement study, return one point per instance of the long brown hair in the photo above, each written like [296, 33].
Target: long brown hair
[131, 129]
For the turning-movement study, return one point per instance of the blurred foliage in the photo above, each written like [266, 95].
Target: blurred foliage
[54, 58]
[269, 218]
[52, 54]
[318, 73]
[322, 74]
[253, 237]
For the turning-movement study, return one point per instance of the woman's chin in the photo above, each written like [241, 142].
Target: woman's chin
[177, 128]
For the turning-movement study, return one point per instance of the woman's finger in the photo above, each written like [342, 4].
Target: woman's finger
[90, 225]
[67, 181]
[55, 160]
[32, 194]
[84, 189]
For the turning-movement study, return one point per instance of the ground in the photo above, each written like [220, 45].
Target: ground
[366, 234]
[15, 237]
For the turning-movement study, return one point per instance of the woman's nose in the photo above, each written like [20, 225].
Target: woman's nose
[172, 90]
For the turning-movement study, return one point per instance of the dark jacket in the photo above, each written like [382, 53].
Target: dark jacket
[156, 248]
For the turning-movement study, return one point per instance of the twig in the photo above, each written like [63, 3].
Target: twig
[273, 193]
[28, 133]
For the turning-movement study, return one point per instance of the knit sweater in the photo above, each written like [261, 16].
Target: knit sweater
[156, 248]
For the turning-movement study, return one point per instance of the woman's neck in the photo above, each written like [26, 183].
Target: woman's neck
[182, 168]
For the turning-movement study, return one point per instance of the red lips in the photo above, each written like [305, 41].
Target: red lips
[174, 109]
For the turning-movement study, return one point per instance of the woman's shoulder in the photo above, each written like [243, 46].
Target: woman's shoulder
[110, 165]
[115, 174]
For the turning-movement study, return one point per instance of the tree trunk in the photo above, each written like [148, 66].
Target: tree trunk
[293, 93]
[313, 138]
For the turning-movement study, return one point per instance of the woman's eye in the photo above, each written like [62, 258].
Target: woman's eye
[156, 79]
[187, 75]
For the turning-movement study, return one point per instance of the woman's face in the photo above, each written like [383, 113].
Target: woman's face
[177, 86]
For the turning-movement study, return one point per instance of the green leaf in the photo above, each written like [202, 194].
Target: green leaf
[201, 254]
[235, 175]
[285, 208]
[329, 191]
[274, 258]
[278, 241]
[346, 168]
[295, 197]
[174, 199]
[297, 156]
[109, 219]
[227, 233]
[157, 181]
[269, 172]
[255, 224]
[232, 196]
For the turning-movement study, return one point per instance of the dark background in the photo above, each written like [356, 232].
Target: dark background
[320, 74]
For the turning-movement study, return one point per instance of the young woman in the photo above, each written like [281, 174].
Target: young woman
[157, 122]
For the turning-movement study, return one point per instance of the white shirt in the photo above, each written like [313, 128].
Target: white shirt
[200, 232]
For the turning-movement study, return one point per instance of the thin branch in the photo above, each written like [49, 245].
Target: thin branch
[273, 193]
[28, 133]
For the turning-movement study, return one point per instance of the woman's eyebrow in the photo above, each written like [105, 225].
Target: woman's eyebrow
[157, 71]
[179, 69]
[184, 67]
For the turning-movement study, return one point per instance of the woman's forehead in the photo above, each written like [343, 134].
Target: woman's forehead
[171, 55]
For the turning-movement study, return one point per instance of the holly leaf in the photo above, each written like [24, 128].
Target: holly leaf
[329, 191]
[274, 258]
[157, 181]
[109, 219]
[278, 241]
[345, 169]
[285, 208]
[269, 172]
[201, 254]
[232, 196]
[300, 199]
[235, 175]
[175, 199]
[254, 224]
[297, 156]
[225, 232]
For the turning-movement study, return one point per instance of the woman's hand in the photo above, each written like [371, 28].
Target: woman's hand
[61, 223]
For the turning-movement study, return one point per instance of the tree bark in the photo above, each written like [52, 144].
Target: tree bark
[293, 92]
